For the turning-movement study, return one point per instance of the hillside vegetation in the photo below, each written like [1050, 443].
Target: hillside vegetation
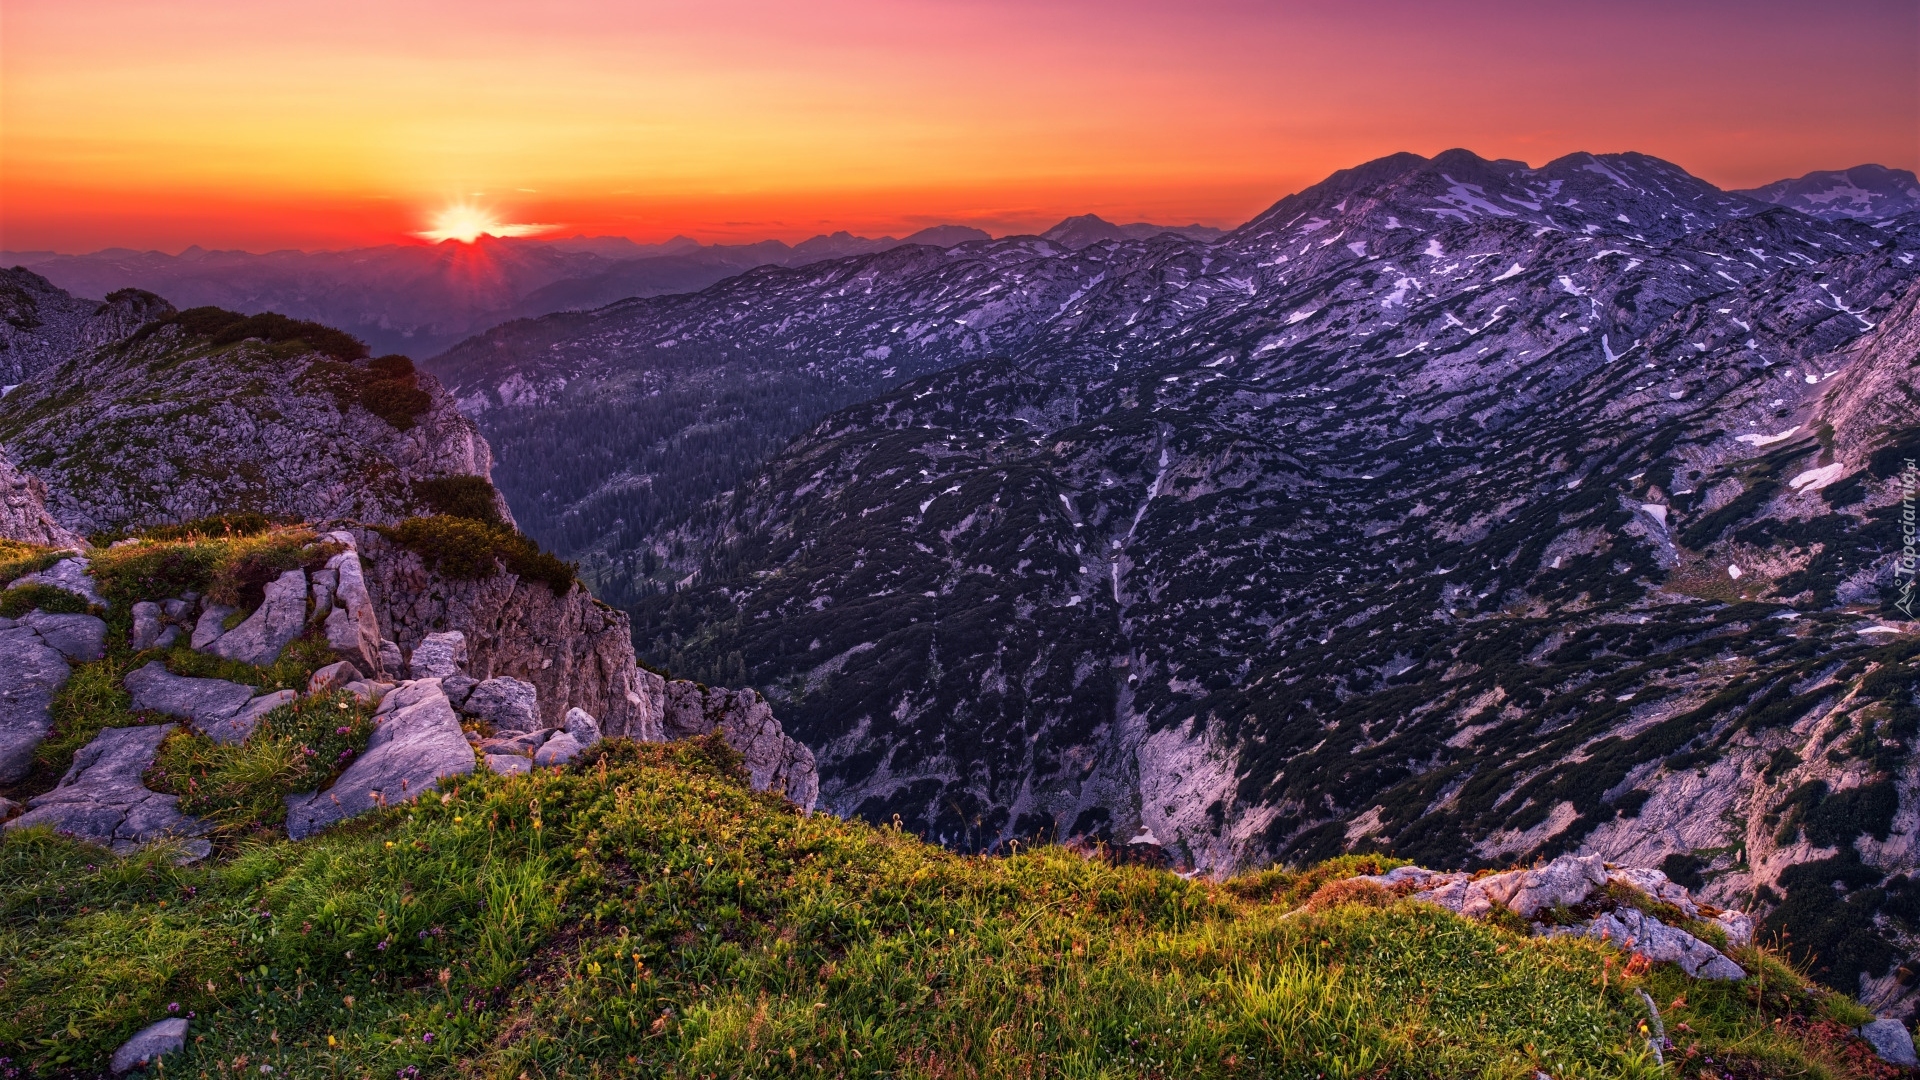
[643, 913]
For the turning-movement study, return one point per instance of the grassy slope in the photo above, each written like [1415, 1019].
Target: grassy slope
[645, 914]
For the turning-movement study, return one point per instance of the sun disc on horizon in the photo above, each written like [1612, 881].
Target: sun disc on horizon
[466, 223]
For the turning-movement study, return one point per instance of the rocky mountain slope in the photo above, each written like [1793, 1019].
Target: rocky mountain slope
[1468, 510]
[41, 324]
[1871, 193]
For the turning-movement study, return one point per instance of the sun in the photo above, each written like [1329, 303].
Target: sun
[464, 223]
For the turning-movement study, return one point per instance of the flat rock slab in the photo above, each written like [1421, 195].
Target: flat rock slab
[102, 801]
[509, 764]
[238, 728]
[203, 701]
[69, 574]
[80, 638]
[416, 742]
[559, 750]
[152, 1042]
[31, 672]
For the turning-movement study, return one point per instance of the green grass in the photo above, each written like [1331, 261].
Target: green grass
[299, 746]
[19, 558]
[644, 914]
[21, 599]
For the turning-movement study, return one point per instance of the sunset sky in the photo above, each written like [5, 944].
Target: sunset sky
[263, 124]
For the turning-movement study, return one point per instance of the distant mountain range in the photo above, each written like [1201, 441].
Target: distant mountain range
[418, 299]
[1866, 192]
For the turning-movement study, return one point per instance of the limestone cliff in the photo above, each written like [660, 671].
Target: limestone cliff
[23, 510]
[42, 325]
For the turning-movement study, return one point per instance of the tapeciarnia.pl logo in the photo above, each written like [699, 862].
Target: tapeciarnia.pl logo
[1904, 566]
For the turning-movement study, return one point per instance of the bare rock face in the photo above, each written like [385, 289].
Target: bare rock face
[352, 628]
[774, 761]
[509, 704]
[31, 671]
[101, 798]
[42, 325]
[272, 626]
[574, 651]
[439, 656]
[23, 510]
[1639, 932]
[225, 712]
[416, 742]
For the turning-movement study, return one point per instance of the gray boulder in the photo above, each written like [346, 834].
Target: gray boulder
[417, 741]
[101, 798]
[153, 1042]
[176, 608]
[439, 656]
[509, 764]
[506, 703]
[146, 625]
[320, 588]
[582, 726]
[80, 638]
[1891, 1040]
[334, 676]
[1636, 931]
[210, 627]
[279, 619]
[69, 574]
[31, 671]
[202, 701]
[391, 662]
[558, 750]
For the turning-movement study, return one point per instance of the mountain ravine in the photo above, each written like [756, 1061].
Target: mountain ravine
[1451, 507]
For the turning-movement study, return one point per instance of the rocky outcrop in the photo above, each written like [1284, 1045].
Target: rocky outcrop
[774, 761]
[101, 798]
[1872, 396]
[79, 638]
[69, 574]
[574, 651]
[169, 427]
[23, 510]
[416, 742]
[31, 672]
[1577, 885]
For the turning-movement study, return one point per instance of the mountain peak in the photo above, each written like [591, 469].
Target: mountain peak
[1867, 192]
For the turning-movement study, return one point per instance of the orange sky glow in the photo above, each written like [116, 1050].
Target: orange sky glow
[263, 124]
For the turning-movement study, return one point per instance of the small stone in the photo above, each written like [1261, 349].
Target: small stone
[505, 702]
[509, 764]
[177, 608]
[582, 726]
[153, 1041]
[391, 662]
[334, 676]
[211, 626]
[1892, 1041]
[168, 635]
[558, 750]
[439, 656]
[367, 691]
[322, 586]
[7, 808]
[80, 638]
[146, 625]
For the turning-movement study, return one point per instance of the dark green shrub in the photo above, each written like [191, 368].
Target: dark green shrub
[215, 527]
[392, 392]
[224, 327]
[470, 497]
[469, 550]
[21, 599]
